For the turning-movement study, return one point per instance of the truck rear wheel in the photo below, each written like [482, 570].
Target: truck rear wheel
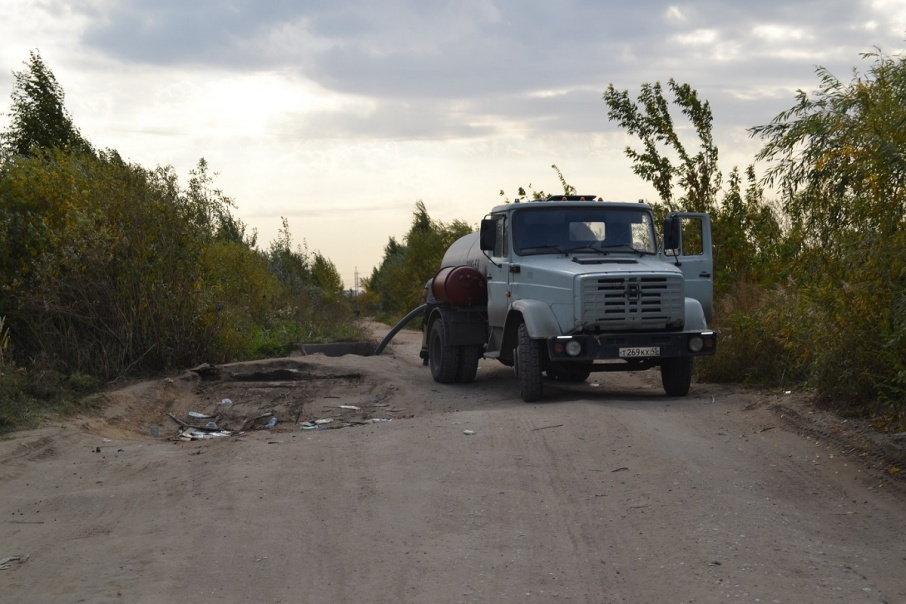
[468, 363]
[676, 375]
[528, 366]
[442, 358]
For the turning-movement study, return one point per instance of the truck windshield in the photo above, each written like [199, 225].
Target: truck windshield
[597, 229]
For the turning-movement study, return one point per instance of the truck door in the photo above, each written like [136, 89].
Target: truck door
[695, 257]
[498, 277]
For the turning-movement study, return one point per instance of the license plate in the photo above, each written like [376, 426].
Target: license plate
[641, 351]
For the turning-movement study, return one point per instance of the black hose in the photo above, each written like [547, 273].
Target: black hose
[418, 311]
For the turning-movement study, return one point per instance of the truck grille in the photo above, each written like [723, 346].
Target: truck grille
[632, 301]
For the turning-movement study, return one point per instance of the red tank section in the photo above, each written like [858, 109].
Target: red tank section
[460, 286]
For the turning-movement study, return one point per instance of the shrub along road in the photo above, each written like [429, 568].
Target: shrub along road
[604, 492]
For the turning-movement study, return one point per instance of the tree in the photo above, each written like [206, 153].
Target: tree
[326, 277]
[839, 155]
[650, 119]
[521, 193]
[39, 120]
[209, 208]
[291, 266]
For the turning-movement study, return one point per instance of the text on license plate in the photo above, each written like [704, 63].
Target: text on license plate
[640, 351]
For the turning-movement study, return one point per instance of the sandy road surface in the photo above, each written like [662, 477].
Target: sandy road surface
[605, 492]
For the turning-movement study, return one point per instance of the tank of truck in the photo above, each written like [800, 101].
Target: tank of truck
[465, 251]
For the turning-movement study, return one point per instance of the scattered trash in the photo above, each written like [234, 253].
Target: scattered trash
[271, 422]
[196, 434]
[211, 424]
[788, 392]
[198, 415]
[313, 426]
[468, 432]
[378, 420]
[7, 563]
[226, 401]
[353, 407]
[323, 421]
[595, 385]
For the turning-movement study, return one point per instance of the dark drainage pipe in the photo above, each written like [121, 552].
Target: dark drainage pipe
[418, 311]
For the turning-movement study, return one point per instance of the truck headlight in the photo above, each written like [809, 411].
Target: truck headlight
[573, 348]
[696, 343]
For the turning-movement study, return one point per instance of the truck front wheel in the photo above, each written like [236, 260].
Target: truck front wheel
[528, 366]
[442, 358]
[676, 375]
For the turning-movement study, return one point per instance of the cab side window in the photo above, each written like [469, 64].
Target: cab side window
[692, 237]
[501, 249]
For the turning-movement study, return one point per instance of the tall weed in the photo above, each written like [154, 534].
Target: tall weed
[760, 338]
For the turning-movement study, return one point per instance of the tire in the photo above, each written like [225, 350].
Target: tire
[468, 363]
[442, 358]
[574, 375]
[676, 375]
[528, 366]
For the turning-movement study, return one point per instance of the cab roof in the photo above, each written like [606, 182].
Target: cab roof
[569, 200]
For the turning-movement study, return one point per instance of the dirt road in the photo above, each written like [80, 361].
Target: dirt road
[605, 492]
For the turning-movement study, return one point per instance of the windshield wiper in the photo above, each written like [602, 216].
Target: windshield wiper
[584, 247]
[546, 246]
[621, 247]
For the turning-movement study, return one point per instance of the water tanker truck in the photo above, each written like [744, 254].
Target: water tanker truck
[572, 285]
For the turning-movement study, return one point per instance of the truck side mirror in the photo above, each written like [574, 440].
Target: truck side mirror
[672, 225]
[488, 235]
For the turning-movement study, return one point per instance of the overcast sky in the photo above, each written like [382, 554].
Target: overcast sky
[340, 114]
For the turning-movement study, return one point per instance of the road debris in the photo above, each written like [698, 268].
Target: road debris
[191, 433]
[7, 563]
[546, 427]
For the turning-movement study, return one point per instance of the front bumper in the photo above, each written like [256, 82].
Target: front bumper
[629, 346]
